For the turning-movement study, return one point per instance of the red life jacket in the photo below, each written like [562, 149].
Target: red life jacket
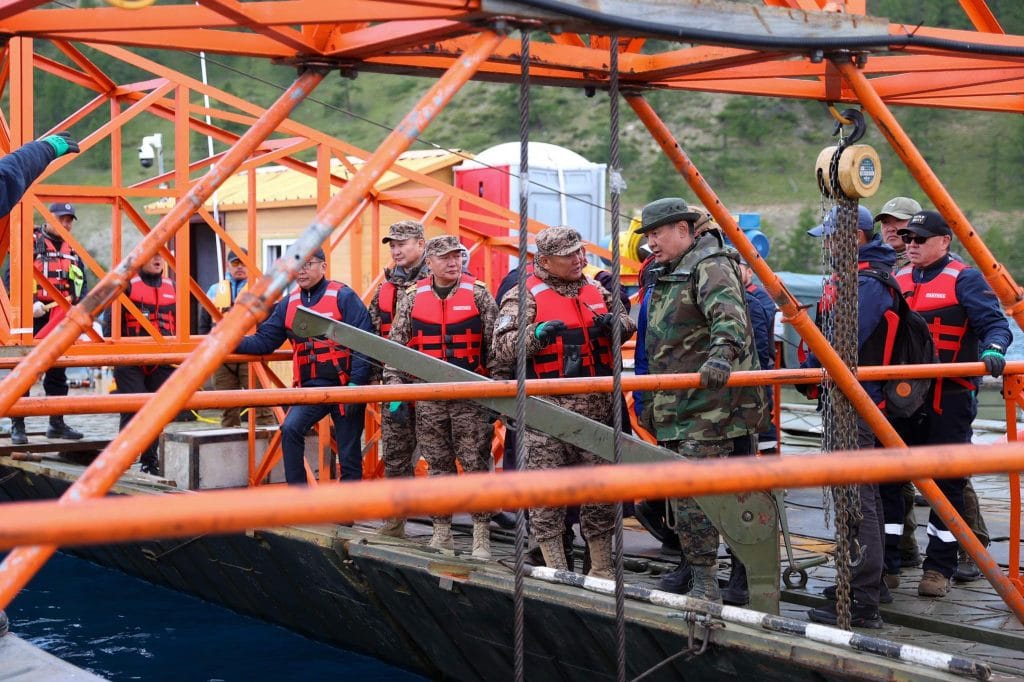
[55, 264]
[449, 329]
[595, 356]
[318, 358]
[386, 298]
[156, 303]
[936, 301]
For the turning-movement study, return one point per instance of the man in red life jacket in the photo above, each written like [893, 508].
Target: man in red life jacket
[317, 363]
[449, 315]
[154, 295]
[967, 325]
[568, 335]
[54, 258]
[398, 431]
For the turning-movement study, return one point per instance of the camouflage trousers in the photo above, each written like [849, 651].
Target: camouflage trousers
[547, 452]
[453, 430]
[698, 537]
[398, 444]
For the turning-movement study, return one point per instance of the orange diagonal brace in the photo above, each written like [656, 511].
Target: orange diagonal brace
[19, 567]
[135, 517]
[22, 563]
[839, 372]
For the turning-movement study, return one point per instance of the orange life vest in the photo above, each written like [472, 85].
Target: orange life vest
[386, 298]
[318, 358]
[156, 303]
[580, 336]
[54, 262]
[449, 329]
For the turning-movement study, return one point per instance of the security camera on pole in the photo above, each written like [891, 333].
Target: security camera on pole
[150, 149]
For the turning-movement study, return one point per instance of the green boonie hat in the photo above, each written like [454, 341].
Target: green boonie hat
[665, 211]
[899, 207]
[402, 230]
[438, 246]
[558, 241]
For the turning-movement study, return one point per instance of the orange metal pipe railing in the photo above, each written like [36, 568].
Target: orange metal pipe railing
[268, 397]
[795, 315]
[250, 308]
[22, 563]
[137, 517]
[131, 358]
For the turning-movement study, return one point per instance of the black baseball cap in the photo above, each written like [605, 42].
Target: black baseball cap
[63, 208]
[927, 224]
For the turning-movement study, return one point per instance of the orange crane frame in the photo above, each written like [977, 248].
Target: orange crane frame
[427, 37]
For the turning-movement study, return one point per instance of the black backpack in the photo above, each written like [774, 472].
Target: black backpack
[913, 345]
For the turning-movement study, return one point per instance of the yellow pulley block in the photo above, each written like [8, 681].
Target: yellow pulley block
[859, 171]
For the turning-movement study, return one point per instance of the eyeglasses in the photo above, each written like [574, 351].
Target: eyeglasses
[908, 238]
[309, 264]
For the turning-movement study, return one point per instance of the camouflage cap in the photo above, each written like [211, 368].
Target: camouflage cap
[558, 241]
[402, 230]
[665, 211]
[899, 207]
[438, 246]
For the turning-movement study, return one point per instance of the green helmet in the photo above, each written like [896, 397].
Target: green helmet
[665, 211]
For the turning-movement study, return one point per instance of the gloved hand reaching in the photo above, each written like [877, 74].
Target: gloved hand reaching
[62, 143]
[995, 361]
[399, 411]
[547, 332]
[604, 323]
[38, 309]
[714, 373]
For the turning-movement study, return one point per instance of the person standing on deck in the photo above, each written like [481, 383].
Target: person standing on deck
[967, 325]
[450, 316]
[317, 363]
[231, 376]
[398, 429]
[697, 322]
[568, 334]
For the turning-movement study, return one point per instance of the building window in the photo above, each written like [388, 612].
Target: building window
[272, 250]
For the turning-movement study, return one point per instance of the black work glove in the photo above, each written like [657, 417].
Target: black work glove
[62, 143]
[714, 373]
[809, 391]
[604, 323]
[400, 412]
[995, 361]
[547, 332]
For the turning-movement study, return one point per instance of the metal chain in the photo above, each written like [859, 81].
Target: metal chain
[839, 418]
[520, 425]
[615, 180]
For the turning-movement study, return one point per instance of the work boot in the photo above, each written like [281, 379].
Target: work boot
[601, 557]
[58, 429]
[554, 554]
[678, 581]
[966, 570]
[442, 537]
[150, 468]
[393, 527]
[18, 436]
[736, 592]
[933, 584]
[481, 539]
[705, 583]
[504, 520]
[891, 580]
[861, 615]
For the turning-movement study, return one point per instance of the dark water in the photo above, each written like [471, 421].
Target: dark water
[123, 628]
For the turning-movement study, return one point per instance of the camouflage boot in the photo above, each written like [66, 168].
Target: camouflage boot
[393, 527]
[442, 537]
[554, 554]
[481, 539]
[705, 584]
[601, 557]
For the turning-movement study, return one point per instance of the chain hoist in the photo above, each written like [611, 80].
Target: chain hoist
[845, 173]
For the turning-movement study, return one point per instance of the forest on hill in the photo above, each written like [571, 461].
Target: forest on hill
[757, 153]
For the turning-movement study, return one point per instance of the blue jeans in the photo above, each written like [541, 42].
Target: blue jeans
[348, 432]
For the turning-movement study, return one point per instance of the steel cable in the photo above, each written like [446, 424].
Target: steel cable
[520, 425]
[615, 181]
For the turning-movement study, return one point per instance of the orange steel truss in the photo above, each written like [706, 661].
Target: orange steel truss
[455, 41]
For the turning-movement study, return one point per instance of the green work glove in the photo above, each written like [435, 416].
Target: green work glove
[547, 332]
[62, 143]
[714, 373]
[995, 361]
[399, 411]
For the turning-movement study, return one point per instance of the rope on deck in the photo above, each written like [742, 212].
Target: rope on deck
[906, 653]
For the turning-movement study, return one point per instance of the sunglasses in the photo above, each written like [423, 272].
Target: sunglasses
[912, 239]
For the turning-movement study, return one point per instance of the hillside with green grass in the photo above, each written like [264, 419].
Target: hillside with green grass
[758, 153]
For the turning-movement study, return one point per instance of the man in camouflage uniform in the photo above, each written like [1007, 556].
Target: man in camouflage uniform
[398, 433]
[450, 316]
[893, 217]
[697, 321]
[568, 335]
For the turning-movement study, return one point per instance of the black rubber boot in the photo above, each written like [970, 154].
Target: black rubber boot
[678, 581]
[567, 546]
[736, 592]
[18, 436]
[58, 429]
